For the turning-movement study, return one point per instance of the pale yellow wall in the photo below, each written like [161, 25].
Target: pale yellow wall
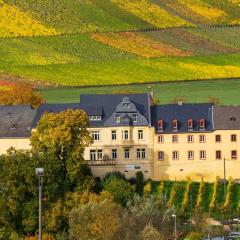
[19, 143]
[151, 166]
[196, 169]
[124, 165]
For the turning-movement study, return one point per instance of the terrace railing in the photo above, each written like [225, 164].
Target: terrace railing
[109, 162]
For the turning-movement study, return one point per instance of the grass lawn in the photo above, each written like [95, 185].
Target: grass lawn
[227, 91]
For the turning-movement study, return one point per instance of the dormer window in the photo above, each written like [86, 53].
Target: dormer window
[190, 124]
[160, 126]
[175, 125]
[202, 124]
[95, 117]
[118, 119]
[135, 118]
[126, 105]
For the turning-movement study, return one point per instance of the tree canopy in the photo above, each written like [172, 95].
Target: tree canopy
[19, 93]
[63, 137]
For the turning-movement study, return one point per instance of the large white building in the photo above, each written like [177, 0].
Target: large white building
[132, 134]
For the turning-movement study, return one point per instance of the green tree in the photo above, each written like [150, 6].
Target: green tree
[139, 182]
[95, 221]
[120, 189]
[150, 233]
[61, 138]
[18, 191]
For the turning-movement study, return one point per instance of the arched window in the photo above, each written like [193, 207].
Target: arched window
[202, 124]
[190, 124]
[160, 126]
[175, 124]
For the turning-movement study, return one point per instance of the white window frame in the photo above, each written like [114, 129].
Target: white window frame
[135, 118]
[190, 139]
[95, 135]
[190, 155]
[114, 133]
[96, 154]
[161, 155]
[175, 155]
[114, 154]
[125, 135]
[118, 119]
[141, 153]
[126, 153]
[202, 138]
[202, 155]
[140, 134]
[160, 138]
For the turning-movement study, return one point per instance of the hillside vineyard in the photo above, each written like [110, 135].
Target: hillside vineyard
[133, 134]
[109, 42]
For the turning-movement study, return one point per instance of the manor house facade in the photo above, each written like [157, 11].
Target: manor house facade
[132, 134]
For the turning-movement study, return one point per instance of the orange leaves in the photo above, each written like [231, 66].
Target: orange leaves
[16, 93]
[138, 44]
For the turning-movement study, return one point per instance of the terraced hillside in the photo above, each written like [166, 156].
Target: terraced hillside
[98, 42]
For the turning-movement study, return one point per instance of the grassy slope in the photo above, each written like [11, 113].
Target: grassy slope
[134, 71]
[227, 91]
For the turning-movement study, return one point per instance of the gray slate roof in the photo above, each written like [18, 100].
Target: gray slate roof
[226, 117]
[16, 121]
[112, 104]
[182, 113]
[105, 105]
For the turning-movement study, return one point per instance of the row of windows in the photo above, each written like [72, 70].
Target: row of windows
[202, 138]
[134, 118]
[175, 125]
[97, 154]
[190, 155]
[125, 135]
[95, 117]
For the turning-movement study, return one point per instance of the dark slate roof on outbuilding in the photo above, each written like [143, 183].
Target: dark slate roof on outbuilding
[16, 121]
[182, 113]
[226, 117]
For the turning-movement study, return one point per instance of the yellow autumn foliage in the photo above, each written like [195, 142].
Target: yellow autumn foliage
[210, 70]
[204, 9]
[151, 13]
[237, 2]
[138, 44]
[14, 23]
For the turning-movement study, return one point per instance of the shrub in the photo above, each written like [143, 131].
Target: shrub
[139, 182]
[147, 188]
[150, 233]
[194, 236]
[119, 188]
[116, 174]
[95, 221]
